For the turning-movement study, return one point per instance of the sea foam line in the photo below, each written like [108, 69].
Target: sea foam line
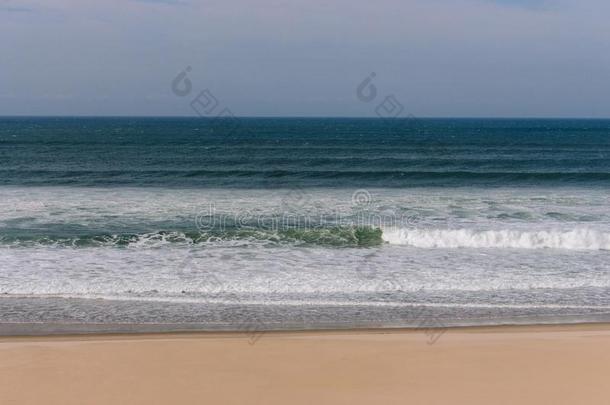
[294, 303]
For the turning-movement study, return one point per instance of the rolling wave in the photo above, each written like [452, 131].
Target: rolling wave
[331, 237]
[352, 236]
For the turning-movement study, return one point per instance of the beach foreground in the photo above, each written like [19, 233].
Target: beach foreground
[501, 365]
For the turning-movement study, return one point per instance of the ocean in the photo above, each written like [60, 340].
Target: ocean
[112, 224]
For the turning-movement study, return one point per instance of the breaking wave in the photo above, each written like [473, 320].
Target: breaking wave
[332, 237]
[575, 239]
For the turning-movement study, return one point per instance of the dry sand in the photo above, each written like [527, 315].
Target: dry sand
[502, 365]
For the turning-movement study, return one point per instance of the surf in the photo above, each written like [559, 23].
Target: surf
[574, 239]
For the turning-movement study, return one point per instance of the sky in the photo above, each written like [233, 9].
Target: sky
[433, 58]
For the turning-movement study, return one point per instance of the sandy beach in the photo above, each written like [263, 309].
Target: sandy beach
[562, 364]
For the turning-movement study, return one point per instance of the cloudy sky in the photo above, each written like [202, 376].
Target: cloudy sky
[452, 58]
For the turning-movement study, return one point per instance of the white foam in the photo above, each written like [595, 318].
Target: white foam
[574, 239]
[284, 272]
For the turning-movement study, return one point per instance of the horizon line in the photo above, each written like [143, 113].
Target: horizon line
[413, 117]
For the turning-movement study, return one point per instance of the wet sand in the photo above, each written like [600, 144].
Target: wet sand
[562, 364]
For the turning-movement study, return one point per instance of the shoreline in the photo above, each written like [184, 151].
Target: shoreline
[44, 329]
[143, 335]
[525, 364]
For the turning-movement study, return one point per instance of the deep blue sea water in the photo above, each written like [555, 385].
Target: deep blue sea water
[303, 222]
[268, 153]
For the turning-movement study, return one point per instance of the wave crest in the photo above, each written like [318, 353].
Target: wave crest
[352, 236]
[576, 239]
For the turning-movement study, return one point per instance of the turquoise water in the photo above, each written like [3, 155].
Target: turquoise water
[303, 222]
